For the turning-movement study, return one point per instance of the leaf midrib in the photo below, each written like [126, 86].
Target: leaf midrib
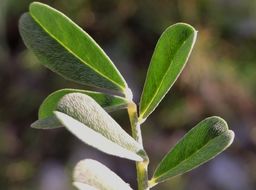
[70, 51]
[130, 151]
[163, 78]
[187, 158]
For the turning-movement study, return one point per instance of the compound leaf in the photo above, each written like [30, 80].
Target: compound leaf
[89, 122]
[205, 141]
[168, 60]
[94, 174]
[66, 49]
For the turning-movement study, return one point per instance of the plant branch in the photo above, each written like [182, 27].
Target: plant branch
[141, 167]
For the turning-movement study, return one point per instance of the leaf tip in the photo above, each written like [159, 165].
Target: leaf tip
[230, 136]
[37, 125]
[34, 125]
[35, 4]
[194, 31]
[46, 123]
[217, 123]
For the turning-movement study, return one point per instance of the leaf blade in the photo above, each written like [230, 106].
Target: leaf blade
[168, 60]
[50, 122]
[205, 141]
[47, 120]
[66, 49]
[108, 102]
[97, 175]
[95, 139]
[87, 120]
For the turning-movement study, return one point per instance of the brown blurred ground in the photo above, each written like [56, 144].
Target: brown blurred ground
[218, 80]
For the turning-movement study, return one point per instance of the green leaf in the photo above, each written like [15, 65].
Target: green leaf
[50, 122]
[66, 49]
[205, 141]
[125, 148]
[92, 173]
[108, 102]
[168, 60]
[89, 122]
[45, 115]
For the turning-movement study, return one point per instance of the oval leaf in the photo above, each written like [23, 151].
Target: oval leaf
[66, 49]
[95, 174]
[168, 60]
[108, 102]
[88, 121]
[205, 141]
[45, 119]
[95, 139]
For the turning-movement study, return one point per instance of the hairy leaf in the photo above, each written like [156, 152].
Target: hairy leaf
[46, 118]
[108, 102]
[66, 49]
[95, 174]
[206, 140]
[168, 60]
[88, 121]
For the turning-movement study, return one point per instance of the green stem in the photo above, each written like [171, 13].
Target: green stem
[142, 166]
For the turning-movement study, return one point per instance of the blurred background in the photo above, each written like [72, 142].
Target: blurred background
[219, 80]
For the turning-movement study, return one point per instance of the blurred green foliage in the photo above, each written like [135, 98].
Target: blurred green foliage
[218, 80]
